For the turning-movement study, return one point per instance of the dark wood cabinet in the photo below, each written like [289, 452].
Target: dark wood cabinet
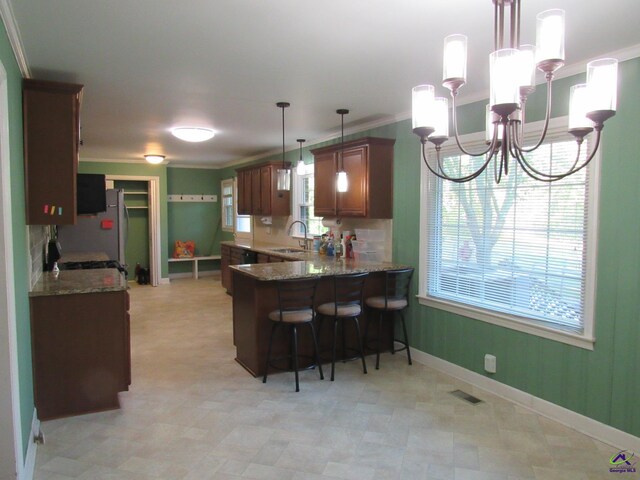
[225, 261]
[244, 192]
[51, 116]
[324, 178]
[258, 194]
[369, 165]
[81, 352]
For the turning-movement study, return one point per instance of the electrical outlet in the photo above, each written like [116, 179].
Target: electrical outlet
[490, 363]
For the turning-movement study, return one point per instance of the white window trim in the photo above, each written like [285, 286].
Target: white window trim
[297, 195]
[225, 183]
[586, 340]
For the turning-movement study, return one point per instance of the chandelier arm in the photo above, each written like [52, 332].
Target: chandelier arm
[513, 149]
[543, 177]
[491, 146]
[524, 163]
[444, 176]
[547, 117]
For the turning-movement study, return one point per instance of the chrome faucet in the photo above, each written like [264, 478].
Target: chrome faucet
[306, 245]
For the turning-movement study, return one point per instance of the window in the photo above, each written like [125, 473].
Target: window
[228, 205]
[243, 222]
[518, 253]
[303, 205]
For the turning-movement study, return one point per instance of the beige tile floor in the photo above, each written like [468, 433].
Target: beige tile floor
[194, 413]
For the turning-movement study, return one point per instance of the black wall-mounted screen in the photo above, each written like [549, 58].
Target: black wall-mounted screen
[92, 196]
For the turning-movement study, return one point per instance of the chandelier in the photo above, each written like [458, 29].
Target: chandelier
[512, 79]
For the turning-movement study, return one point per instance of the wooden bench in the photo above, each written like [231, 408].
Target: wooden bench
[195, 261]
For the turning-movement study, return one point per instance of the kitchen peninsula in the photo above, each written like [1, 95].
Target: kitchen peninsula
[255, 295]
[80, 341]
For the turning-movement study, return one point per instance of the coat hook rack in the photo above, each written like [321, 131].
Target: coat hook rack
[183, 197]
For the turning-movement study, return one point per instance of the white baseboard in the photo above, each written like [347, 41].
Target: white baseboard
[588, 426]
[164, 281]
[32, 447]
[206, 273]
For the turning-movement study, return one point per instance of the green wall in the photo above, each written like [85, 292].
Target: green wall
[147, 170]
[20, 256]
[603, 384]
[197, 221]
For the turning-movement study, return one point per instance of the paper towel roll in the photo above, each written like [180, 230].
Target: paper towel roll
[331, 222]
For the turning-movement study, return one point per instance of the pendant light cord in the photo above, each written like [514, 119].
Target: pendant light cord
[282, 106]
[282, 137]
[342, 112]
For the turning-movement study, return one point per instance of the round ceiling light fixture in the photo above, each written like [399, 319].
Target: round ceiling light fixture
[193, 134]
[154, 159]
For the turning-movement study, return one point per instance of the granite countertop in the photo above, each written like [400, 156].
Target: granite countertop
[69, 282]
[272, 249]
[83, 257]
[317, 266]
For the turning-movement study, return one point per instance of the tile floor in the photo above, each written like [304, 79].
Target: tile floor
[194, 413]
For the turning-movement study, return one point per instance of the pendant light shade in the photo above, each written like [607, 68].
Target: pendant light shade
[283, 174]
[300, 169]
[342, 181]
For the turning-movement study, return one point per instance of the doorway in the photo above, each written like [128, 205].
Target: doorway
[142, 198]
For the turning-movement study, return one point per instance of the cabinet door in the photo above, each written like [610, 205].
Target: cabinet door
[51, 113]
[256, 197]
[265, 190]
[353, 202]
[247, 194]
[324, 177]
[243, 207]
[225, 261]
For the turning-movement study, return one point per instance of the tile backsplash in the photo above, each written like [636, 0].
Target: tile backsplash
[276, 233]
[38, 239]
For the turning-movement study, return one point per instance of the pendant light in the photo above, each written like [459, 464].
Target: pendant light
[300, 169]
[342, 182]
[283, 174]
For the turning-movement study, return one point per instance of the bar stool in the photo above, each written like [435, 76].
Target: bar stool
[295, 307]
[347, 305]
[395, 299]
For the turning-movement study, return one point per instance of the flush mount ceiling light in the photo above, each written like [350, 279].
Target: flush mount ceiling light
[283, 174]
[154, 159]
[193, 134]
[512, 78]
[300, 168]
[342, 181]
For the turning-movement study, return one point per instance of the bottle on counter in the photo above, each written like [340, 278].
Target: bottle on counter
[55, 269]
[322, 249]
[330, 246]
[338, 248]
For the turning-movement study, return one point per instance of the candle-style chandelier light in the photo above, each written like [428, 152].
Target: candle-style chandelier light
[512, 79]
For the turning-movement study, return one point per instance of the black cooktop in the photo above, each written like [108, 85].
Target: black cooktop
[92, 265]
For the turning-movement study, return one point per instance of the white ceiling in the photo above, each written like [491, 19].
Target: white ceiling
[149, 65]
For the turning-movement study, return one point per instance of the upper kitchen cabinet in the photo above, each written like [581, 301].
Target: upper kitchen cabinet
[257, 191]
[368, 162]
[51, 115]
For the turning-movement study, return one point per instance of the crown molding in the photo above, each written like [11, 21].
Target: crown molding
[13, 32]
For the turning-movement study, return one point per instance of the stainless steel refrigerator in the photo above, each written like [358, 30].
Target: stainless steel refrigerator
[105, 232]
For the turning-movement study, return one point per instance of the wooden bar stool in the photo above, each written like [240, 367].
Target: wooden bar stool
[347, 305]
[395, 299]
[295, 307]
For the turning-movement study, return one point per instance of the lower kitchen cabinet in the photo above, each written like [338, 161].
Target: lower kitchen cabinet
[81, 352]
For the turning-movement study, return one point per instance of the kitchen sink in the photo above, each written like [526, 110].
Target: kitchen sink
[286, 250]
